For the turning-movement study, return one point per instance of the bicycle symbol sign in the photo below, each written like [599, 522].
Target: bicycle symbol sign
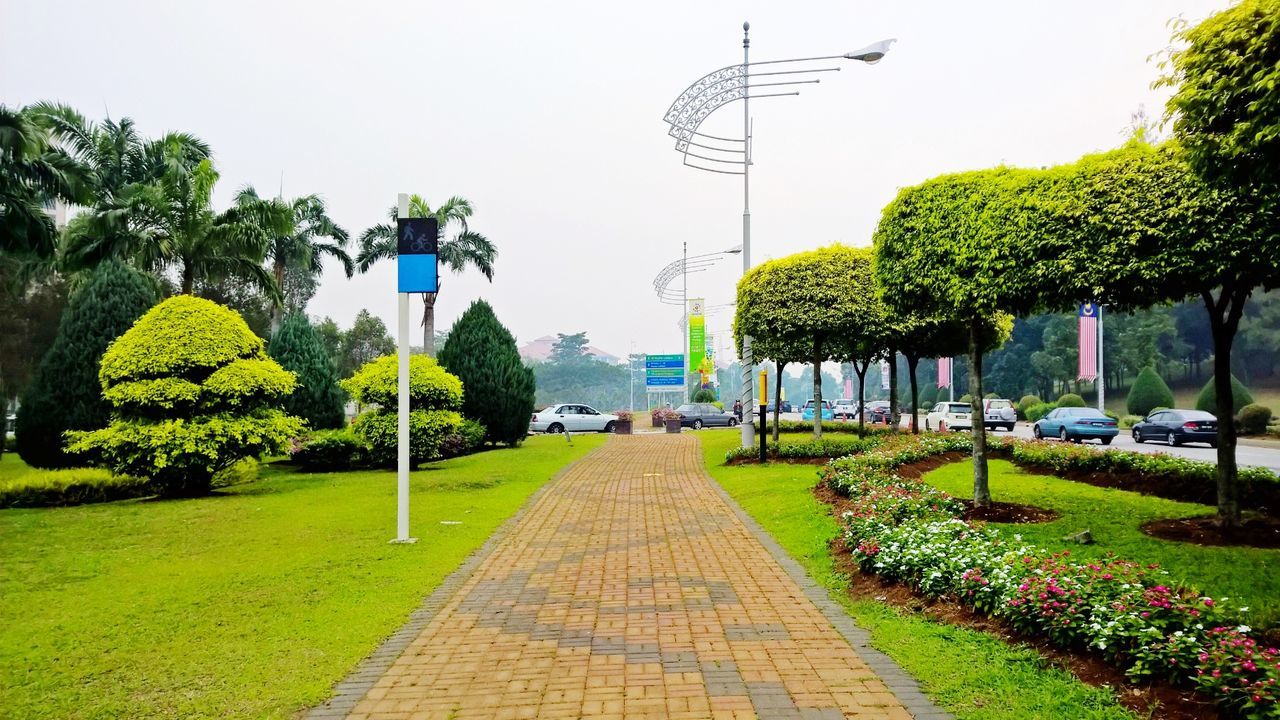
[417, 242]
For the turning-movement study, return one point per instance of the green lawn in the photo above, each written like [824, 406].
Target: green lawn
[1248, 576]
[248, 604]
[972, 674]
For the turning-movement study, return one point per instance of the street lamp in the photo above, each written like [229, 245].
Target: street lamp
[682, 267]
[732, 156]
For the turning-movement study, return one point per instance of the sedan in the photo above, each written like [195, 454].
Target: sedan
[878, 412]
[700, 415]
[1178, 426]
[846, 410]
[572, 418]
[949, 416]
[806, 413]
[1076, 424]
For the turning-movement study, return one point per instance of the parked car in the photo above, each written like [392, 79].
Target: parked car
[786, 406]
[572, 418]
[999, 413]
[878, 411]
[1177, 426]
[1076, 424]
[699, 415]
[806, 413]
[845, 409]
[949, 416]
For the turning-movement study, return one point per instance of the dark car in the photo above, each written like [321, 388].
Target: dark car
[786, 406]
[700, 415]
[1178, 426]
[878, 412]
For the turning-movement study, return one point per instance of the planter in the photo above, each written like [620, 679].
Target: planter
[657, 422]
[673, 425]
[622, 427]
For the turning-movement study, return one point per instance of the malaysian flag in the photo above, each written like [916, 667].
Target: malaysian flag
[1089, 341]
[944, 372]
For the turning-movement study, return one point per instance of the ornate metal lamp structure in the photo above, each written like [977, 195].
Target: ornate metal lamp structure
[732, 156]
[669, 296]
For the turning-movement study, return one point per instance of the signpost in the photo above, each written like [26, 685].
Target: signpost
[417, 270]
[662, 373]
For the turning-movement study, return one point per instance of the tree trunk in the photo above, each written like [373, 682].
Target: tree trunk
[817, 389]
[912, 362]
[893, 392]
[981, 491]
[862, 394]
[188, 278]
[777, 398]
[277, 308]
[429, 324]
[1224, 320]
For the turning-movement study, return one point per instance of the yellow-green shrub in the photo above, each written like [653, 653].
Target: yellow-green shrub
[434, 398]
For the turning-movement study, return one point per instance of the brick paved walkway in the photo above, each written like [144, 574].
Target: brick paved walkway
[628, 588]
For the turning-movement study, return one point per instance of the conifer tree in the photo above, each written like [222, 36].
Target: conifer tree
[498, 388]
[65, 394]
[317, 398]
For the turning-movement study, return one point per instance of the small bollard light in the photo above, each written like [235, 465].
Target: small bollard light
[764, 414]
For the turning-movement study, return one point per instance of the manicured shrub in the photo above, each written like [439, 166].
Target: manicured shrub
[317, 397]
[827, 447]
[1148, 392]
[334, 451]
[1208, 398]
[965, 398]
[466, 439]
[73, 486]
[1026, 402]
[1035, 412]
[499, 386]
[193, 392]
[928, 395]
[1253, 419]
[1070, 400]
[65, 394]
[703, 396]
[1128, 421]
[434, 397]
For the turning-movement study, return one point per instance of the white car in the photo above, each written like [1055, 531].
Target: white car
[846, 409]
[949, 416]
[571, 417]
[999, 413]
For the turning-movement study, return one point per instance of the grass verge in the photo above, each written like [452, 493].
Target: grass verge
[1248, 576]
[250, 603]
[974, 675]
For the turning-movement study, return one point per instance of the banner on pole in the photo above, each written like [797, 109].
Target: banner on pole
[697, 332]
[1088, 313]
[884, 374]
[944, 372]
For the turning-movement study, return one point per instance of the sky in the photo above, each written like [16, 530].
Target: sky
[548, 117]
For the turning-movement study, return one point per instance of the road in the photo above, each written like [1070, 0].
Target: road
[1257, 453]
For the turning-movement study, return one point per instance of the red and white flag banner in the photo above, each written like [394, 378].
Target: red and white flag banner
[944, 372]
[1088, 341]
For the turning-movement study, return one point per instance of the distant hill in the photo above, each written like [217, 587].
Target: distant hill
[540, 350]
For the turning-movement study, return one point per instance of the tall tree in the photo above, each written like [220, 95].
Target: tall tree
[366, 341]
[569, 348]
[498, 390]
[463, 249]
[311, 235]
[66, 394]
[34, 174]
[316, 398]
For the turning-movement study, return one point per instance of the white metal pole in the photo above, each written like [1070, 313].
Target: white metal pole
[748, 376]
[684, 303]
[951, 379]
[402, 461]
[1102, 378]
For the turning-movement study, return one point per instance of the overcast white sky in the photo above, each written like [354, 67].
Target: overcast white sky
[548, 116]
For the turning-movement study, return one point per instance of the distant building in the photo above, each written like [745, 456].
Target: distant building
[540, 350]
[57, 210]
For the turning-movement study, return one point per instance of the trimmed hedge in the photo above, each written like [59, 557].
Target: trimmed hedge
[1148, 392]
[824, 448]
[828, 426]
[1253, 419]
[1070, 400]
[73, 486]
[330, 452]
[1039, 410]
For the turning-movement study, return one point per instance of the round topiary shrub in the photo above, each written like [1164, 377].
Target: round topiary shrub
[1149, 392]
[193, 393]
[66, 394]
[1208, 398]
[1253, 419]
[1026, 402]
[704, 396]
[1070, 400]
[965, 398]
[434, 398]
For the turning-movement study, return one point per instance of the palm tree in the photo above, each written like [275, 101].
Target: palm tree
[34, 173]
[465, 248]
[187, 234]
[304, 246]
[124, 169]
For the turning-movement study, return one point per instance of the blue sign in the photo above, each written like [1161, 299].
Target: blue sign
[663, 361]
[664, 381]
[417, 261]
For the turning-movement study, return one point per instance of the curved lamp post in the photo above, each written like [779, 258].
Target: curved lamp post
[732, 156]
[667, 295]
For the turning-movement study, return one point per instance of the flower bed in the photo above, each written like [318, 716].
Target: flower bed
[824, 448]
[907, 531]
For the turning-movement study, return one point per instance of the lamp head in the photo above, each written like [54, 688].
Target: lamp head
[735, 250]
[872, 53]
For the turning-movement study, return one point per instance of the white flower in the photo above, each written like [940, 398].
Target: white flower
[1244, 629]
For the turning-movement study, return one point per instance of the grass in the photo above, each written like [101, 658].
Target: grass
[1248, 576]
[251, 603]
[973, 674]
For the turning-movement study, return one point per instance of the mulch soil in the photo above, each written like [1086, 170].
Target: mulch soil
[1158, 701]
[1259, 531]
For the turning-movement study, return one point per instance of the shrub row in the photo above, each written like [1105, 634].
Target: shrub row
[824, 448]
[342, 450]
[832, 426]
[75, 486]
[909, 532]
